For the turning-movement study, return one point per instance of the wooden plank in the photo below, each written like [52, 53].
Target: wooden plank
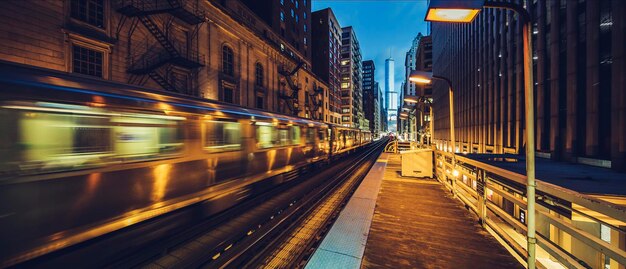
[422, 226]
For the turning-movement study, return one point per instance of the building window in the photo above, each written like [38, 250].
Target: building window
[282, 2]
[304, 15]
[297, 3]
[305, 28]
[87, 61]
[259, 75]
[259, 102]
[228, 95]
[282, 16]
[228, 67]
[297, 19]
[293, 14]
[88, 11]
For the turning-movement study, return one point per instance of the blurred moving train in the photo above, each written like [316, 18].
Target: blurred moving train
[82, 157]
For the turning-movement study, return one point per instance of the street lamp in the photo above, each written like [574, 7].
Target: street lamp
[452, 11]
[413, 99]
[423, 77]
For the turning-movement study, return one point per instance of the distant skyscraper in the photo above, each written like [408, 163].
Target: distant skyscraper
[391, 96]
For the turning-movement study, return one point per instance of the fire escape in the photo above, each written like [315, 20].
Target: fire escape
[313, 101]
[291, 99]
[157, 60]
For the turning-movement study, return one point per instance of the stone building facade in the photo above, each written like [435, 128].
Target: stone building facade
[217, 50]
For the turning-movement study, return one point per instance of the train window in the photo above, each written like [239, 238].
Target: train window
[268, 135]
[295, 135]
[222, 136]
[139, 136]
[265, 136]
[51, 138]
[310, 135]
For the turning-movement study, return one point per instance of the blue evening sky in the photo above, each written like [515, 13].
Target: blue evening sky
[381, 26]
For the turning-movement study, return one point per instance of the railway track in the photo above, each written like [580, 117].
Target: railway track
[290, 242]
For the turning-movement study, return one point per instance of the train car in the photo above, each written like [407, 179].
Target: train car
[81, 157]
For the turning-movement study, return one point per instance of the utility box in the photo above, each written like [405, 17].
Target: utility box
[417, 163]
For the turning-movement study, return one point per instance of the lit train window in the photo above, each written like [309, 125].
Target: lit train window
[139, 136]
[50, 137]
[268, 135]
[222, 136]
[294, 132]
[310, 135]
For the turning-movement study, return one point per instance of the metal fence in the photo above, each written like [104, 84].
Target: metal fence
[574, 230]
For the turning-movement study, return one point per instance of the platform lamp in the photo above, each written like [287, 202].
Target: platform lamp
[423, 77]
[464, 11]
[413, 99]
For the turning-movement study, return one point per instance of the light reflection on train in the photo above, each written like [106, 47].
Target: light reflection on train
[106, 155]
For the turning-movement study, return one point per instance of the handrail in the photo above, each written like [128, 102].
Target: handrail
[554, 200]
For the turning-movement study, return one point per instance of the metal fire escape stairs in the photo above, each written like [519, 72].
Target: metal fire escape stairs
[292, 99]
[152, 61]
[313, 101]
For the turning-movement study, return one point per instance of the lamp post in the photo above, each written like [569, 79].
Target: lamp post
[412, 99]
[423, 77]
[418, 99]
[465, 11]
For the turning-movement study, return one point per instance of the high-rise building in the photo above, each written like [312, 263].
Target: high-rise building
[382, 111]
[409, 65]
[580, 69]
[423, 62]
[351, 91]
[326, 47]
[391, 96]
[418, 57]
[290, 19]
[369, 91]
[378, 108]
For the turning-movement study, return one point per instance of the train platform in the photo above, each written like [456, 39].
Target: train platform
[399, 222]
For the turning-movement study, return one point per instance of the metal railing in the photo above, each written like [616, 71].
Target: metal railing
[574, 230]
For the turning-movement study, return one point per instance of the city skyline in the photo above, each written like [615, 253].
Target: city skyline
[389, 31]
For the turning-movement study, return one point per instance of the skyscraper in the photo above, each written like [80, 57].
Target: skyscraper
[369, 92]
[325, 50]
[391, 96]
[289, 19]
[351, 92]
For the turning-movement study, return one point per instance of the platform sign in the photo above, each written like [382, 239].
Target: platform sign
[522, 216]
[480, 183]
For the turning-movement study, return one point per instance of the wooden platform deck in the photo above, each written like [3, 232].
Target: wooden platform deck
[417, 224]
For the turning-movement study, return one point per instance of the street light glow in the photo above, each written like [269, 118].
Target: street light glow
[411, 99]
[451, 15]
[421, 77]
[453, 10]
[419, 80]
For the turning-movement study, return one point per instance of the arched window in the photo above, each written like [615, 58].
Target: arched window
[259, 75]
[228, 66]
